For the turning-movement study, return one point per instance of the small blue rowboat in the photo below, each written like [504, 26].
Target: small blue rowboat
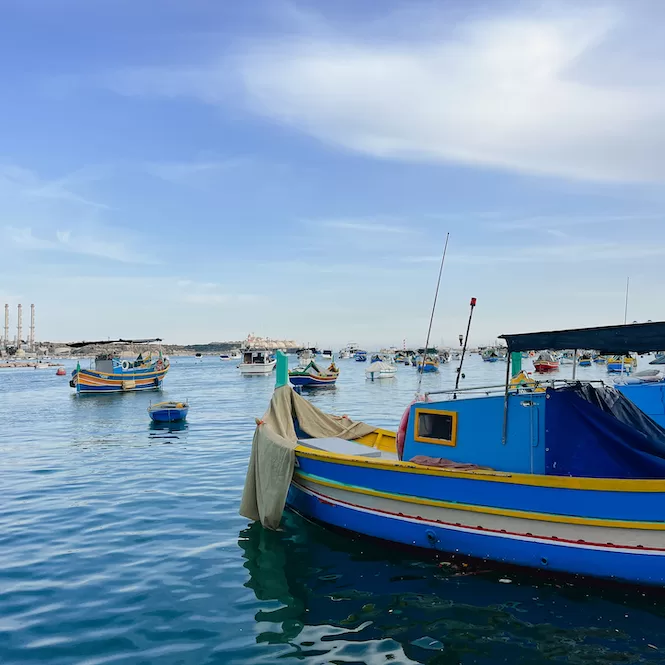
[168, 412]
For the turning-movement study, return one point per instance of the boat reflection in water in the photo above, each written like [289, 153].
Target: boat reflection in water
[325, 597]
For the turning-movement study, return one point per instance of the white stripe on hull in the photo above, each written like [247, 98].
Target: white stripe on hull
[583, 536]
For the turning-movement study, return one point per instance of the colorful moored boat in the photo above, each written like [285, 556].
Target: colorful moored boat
[568, 478]
[619, 364]
[112, 374]
[312, 375]
[546, 362]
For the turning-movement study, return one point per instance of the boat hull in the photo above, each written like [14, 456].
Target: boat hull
[585, 363]
[544, 367]
[256, 369]
[520, 549]
[168, 415]
[475, 518]
[310, 381]
[87, 381]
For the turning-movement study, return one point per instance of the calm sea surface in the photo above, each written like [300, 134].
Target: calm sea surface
[120, 543]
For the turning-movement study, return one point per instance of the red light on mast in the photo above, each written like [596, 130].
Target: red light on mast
[473, 302]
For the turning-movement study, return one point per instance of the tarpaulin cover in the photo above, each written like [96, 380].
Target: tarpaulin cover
[637, 337]
[599, 433]
[272, 459]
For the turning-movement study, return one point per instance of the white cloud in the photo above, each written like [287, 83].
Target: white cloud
[28, 184]
[190, 173]
[561, 254]
[106, 246]
[533, 92]
[363, 226]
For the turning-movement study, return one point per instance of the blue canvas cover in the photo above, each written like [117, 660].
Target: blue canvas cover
[598, 433]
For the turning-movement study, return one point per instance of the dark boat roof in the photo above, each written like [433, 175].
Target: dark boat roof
[637, 337]
[78, 345]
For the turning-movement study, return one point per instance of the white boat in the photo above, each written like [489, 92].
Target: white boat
[380, 369]
[348, 351]
[256, 361]
[326, 354]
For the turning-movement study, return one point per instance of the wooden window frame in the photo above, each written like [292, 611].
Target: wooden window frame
[441, 442]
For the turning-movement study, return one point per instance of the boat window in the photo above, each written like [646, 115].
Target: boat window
[436, 427]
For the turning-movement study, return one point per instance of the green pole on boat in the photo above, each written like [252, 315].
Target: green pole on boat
[282, 370]
[516, 362]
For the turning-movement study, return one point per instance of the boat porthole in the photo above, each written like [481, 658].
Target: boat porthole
[431, 537]
[543, 560]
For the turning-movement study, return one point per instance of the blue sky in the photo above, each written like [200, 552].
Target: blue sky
[201, 170]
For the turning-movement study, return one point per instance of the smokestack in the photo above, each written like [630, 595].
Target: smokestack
[19, 327]
[32, 327]
[6, 324]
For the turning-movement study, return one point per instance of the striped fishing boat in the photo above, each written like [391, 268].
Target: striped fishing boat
[567, 477]
[111, 374]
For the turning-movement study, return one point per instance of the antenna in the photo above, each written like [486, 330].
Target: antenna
[466, 341]
[431, 318]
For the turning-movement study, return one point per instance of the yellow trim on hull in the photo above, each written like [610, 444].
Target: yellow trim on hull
[487, 510]
[387, 441]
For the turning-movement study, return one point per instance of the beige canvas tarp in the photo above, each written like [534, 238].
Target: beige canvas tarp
[272, 458]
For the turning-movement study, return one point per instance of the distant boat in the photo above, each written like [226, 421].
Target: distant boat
[198, 354]
[621, 364]
[115, 375]
[490, 355]
[360, 356]
[545, 362]
[428, 363]
[348, 351]
[402, 358]
[225, 356]
[380, 369]
[256, 362]
[584, 360]
[600, 360]
[327, 354]
[168, 412]
[312, 375]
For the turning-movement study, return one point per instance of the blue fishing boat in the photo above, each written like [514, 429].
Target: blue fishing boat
[619, 364]
[564, 476]
[113, 374]
[584, 360]
[360, 356]
[428, 363]
[168, 412]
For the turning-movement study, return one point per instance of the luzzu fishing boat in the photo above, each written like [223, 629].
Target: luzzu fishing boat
[566, 476]
[312, 375]
[112, 374]
[428, 363]
[619, 364]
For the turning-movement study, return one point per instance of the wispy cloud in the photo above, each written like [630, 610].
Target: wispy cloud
[531, 91]
[362, 226]
[190, 173]
[561, 254]
[28, 184]
[549, 222]
[106, 246]
[210, 293]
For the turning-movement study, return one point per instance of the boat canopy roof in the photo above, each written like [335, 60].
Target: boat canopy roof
[78, 345]
[638, 337]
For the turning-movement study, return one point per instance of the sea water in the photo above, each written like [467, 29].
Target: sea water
[121, 543]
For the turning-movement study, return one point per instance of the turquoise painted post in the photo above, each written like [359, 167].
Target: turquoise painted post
[282, 370]
[516, 362]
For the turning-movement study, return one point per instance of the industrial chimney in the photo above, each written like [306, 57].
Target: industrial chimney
[6, 325]
[19, 327]
[32, 327]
